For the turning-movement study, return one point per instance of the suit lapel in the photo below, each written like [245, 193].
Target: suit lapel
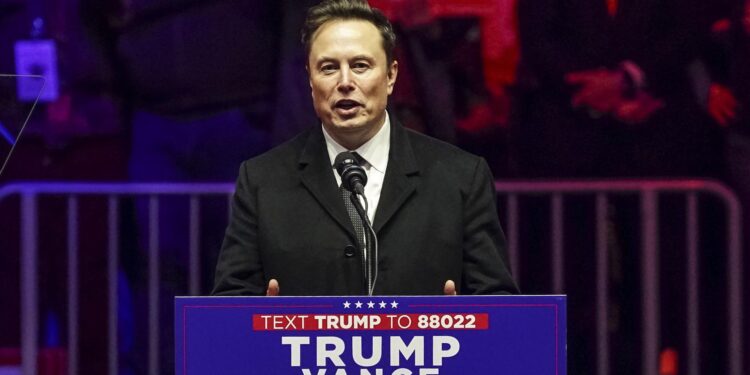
[316, 174]
[400, 176]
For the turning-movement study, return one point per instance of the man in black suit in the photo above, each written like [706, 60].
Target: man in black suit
[432, 205]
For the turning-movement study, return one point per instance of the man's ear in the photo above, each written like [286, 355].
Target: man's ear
[392, 74]
[309, 81]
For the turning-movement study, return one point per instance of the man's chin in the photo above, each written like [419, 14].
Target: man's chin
[349, 125]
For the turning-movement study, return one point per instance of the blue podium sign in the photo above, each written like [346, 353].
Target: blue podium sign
[380, 335]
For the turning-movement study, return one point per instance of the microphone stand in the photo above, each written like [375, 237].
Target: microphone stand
[370, 252]
[354, 178]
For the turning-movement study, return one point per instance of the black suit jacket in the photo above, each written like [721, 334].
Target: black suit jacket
[436, 220]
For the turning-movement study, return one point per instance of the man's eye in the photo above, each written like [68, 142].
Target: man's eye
[360, 67]
[327, 68]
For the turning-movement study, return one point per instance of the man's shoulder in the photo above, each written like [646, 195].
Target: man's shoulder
[432, 151]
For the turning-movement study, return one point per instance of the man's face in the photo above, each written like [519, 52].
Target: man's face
[350, 79]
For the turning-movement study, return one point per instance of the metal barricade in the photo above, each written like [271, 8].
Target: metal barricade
[30, 193]
[648, 191]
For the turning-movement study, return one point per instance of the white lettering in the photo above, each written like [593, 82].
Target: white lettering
[265, 320]
[295, 343]
[415, 347]
[390, 317]
[438, 353]
[404, 321]
[333, 354]
[377, 351]
[329, 352]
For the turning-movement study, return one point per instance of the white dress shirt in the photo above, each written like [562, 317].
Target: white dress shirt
[375, 153]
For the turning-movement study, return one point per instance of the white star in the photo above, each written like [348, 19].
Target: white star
[347, 304]
[358, 304]
[382, 304]
[394, 304]
[370, 305]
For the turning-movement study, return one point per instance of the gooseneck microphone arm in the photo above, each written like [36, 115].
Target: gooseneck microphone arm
[354, 179]
[371, 251]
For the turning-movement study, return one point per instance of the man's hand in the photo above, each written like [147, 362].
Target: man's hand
[450, 288]
[638, 109]
[722, 104]
[273, 288]
[599, 89]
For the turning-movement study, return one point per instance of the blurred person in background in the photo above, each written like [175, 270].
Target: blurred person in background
[728, 100]
[458, 61]
[604, 92]
[197, 82]
[728, 97]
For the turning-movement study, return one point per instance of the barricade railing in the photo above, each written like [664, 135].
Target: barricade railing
[649, 192]
[30, 193]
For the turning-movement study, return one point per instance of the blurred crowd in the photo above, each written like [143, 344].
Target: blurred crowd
[540, 88]
[184, 90]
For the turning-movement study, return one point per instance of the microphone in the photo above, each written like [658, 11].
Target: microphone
[354, 179]
[353, 176]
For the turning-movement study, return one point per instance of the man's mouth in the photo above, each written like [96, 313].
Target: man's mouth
[346, 104]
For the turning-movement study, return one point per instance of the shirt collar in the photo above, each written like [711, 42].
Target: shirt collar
[375, 151]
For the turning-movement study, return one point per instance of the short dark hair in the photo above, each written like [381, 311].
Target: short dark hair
[331, 10]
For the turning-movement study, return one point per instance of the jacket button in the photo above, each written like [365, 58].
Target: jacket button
[349, 251]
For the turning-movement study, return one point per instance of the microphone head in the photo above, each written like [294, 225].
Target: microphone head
[353, 176]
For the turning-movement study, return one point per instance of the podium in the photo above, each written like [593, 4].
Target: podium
[383, 335]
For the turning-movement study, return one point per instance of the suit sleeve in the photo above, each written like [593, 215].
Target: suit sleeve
[239, 270]
[485, 256]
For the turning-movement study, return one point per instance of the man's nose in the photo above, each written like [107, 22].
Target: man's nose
[346, 82]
